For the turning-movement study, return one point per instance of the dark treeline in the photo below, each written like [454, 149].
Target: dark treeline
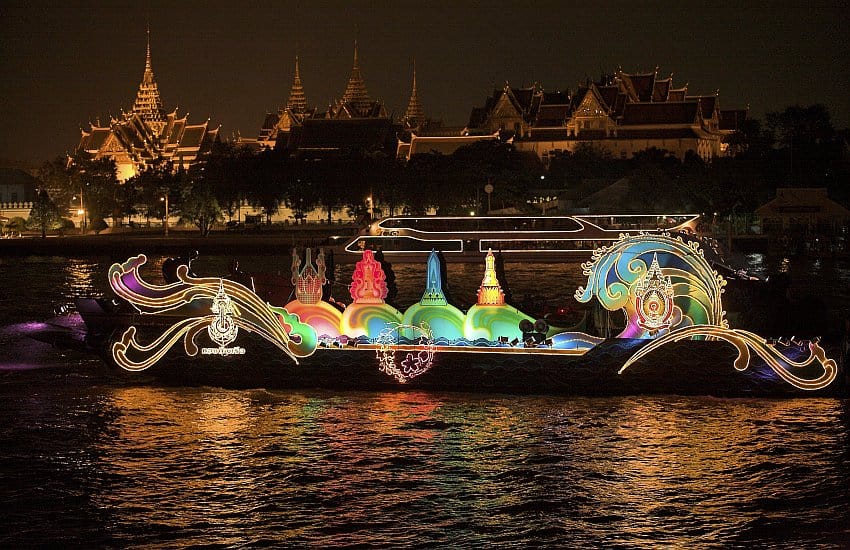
[797, 147]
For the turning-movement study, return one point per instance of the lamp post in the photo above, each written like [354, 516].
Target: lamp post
[165, 219]
[81, 212]
[489, 190]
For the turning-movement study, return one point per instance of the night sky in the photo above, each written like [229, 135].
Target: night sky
[65, 65]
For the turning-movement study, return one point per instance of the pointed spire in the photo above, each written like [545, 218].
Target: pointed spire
[148, 76]
[297, 98]
[433, 295]
[490, 292]
[415, 114]
[356, 93]
[148, 104]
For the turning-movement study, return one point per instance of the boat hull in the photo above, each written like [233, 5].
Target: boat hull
[684, 368]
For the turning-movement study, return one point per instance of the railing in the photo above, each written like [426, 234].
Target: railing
[27, 206]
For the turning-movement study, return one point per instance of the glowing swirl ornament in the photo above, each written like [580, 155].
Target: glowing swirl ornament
[418, 356]
[197, 304]
[678, 297]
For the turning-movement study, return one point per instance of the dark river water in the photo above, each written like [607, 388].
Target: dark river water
[87, 463]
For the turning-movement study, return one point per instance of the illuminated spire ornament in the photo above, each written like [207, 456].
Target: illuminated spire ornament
[368, 283]
[308, 280]
[433, 295]
[490, 292]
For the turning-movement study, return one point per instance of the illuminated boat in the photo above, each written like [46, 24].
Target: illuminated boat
[676, 338]
[531, 238]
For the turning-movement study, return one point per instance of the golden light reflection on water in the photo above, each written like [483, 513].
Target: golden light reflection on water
[260, 465]
[82, 278]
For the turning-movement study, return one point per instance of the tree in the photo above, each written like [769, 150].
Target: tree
[224, 173]
[58, 177]
[98, 181]
[806, 133]
[200, 206]
[267, 182]
[44, 212]
[147, 189]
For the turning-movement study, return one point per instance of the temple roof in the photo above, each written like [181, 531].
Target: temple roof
[677, 94]
[661, 89]
[660, 113]
[335, 134]
[444, 145]
[609, 95]
[707, 103]
[638, 86]
[552, 115]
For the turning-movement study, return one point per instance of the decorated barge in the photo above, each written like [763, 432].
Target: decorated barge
[675, 339]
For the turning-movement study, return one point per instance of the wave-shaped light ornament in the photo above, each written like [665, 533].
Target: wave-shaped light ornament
[368, 315]
[669, 292]
[218, 306]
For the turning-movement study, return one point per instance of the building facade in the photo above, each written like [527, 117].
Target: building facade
[621, 114]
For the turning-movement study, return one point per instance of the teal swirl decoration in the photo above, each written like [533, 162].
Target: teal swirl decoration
[190, 301]
[614, 272]
[745, 341]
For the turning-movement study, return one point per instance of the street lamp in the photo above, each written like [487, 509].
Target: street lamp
[165, 220]
[489, 190]
[81, 212]
[371, 208]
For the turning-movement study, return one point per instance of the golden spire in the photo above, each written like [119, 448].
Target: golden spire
[148, 103]
[490, 292]
[415, 114]
[356, 93]
[297, 98]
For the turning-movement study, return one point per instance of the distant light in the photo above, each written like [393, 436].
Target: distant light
[472, 212]
[543, 177]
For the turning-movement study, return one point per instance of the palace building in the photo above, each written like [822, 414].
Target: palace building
[148, 133]
[621, 114]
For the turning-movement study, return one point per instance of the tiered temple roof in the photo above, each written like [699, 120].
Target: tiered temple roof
[147, 133]
[356, 95]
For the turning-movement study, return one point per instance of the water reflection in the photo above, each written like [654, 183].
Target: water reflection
[236, 467]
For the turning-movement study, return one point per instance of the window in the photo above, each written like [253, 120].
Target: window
[14, 197]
